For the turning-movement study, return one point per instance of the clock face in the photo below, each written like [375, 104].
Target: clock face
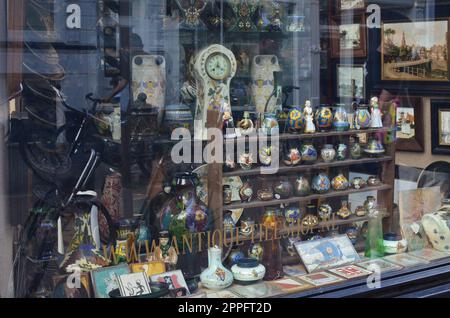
[218, 66]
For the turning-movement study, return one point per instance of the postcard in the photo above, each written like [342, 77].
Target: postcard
[383, 266]
[350, 271]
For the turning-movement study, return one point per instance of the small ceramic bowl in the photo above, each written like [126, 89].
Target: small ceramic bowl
[394, 244]
[248, 271]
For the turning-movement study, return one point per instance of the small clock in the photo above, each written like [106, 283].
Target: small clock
[218, 66]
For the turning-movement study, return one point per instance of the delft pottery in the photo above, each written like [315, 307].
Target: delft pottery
[283, 189]
[265, 194]
[320, 183]
[360, 211]
[374, 147]
[265, 155]
[340, 119]
[375, 120]
[437, 227]
[328, 153]
[227, 194]
[292, 214]
[362, 117]
[358, 183]
[247, 227]
[324, 118]
[270, 125]
[216, 276]
[352, 233]
[340, 182]
[246, 160]
[342, 152]
[308, 113]
[345, 211]
[295, 122]
[246, 125]
[246, 192]
[394, 244]
[256, 251]
[325, 211]
[355, 150]
[248, 271]
[302, 187]
[373, 181]
[309, 153]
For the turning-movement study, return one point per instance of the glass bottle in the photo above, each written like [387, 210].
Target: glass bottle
[272, 257]
[374, 238]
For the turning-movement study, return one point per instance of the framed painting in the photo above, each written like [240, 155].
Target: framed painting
[440, 127]
[348, 36]
[350, 5]
[351, 81]
[415, 51]
[409, 123]
[104, 280]
[326, 253]
[133, 284]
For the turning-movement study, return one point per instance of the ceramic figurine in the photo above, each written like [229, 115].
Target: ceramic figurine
[355, 149]
[342, 152]
[340, 119]
[246, 125]
[283, 189]
[296, 121]
[230, 163]
[246, 160]
[328, 153]
[374, 147]
[165, 251]
[375, 121]
[292, 214]
[373, 181]
[265, 155]
[246, 192]
[360, 211]
[228, 126]
[228, 223]
[437, 227]
[216, 276]
[256, 251]
[320, 183]
[358, 183]
[309, 153]
[248, 271]
[340, 182]
[247, 227]
[362, 117]
[345, 211]
[325, 211]
[310, 128]
[324, 118]
[302, 187]
[352, 233]
[292, 156]
[269, 125]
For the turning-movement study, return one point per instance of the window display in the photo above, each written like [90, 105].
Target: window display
[225, 148]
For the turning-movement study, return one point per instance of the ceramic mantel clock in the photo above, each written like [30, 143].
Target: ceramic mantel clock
[214, 68]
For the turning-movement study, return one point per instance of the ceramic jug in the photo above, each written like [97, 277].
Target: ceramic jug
[216, 276]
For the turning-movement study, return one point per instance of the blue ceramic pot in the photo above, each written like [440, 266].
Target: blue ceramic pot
[321, 183]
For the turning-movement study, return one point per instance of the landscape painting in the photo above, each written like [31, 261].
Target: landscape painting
[415, 51]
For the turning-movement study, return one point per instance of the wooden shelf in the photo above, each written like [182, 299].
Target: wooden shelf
[326, 225]
[290, 136]
[329, 194]
[302, 168]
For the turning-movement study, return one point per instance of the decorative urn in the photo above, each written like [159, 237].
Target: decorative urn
[324, 118]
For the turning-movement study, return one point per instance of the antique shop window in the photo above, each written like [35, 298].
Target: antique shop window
[226, 148]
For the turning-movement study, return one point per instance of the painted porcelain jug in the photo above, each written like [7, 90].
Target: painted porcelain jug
[216, 276]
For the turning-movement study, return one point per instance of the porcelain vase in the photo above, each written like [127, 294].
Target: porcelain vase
[216, 276]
